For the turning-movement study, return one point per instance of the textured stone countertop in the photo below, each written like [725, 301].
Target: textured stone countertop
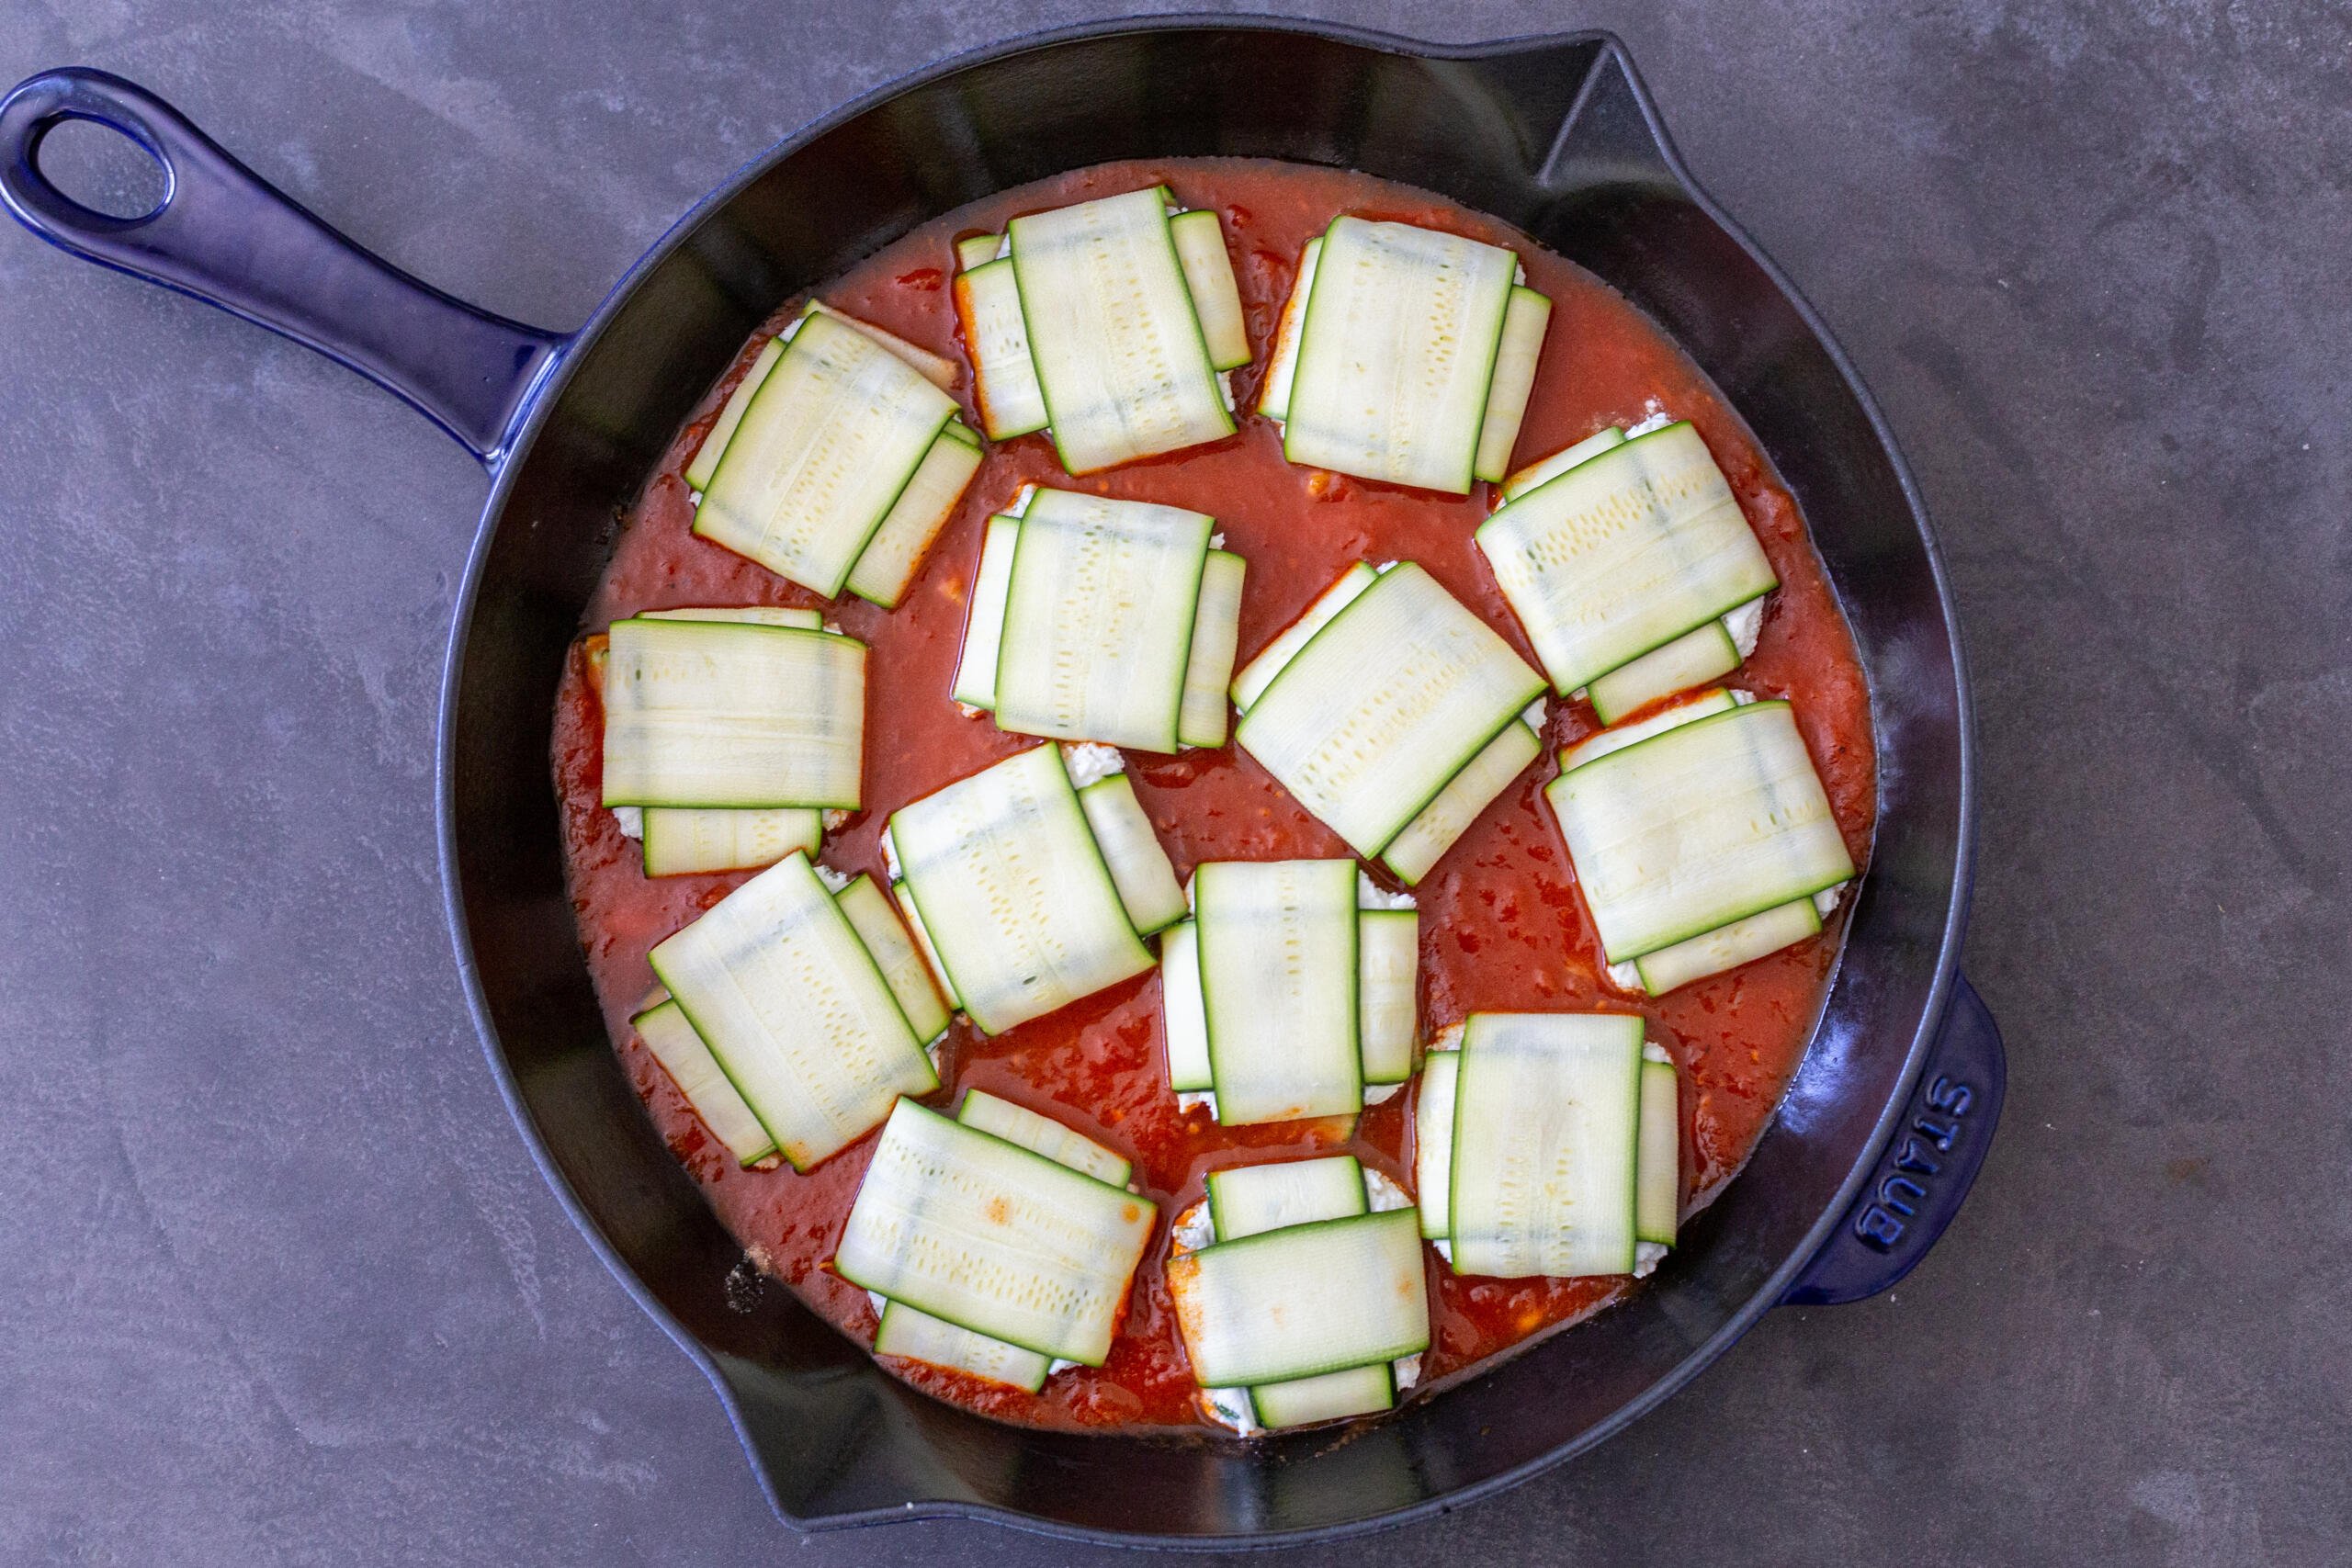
[280, 1285]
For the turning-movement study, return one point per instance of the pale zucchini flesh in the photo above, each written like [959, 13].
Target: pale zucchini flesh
[1282, 362]
[1041, 1134]
[1014, 893]
[1113, 334]
[939, 372]
[1560, 462]
[1208, 276]
[1248, 1200]
[700, 713]
[1697, 657]
[918, 1337]
[891, 558]
[830, 440]
[1385, 705]
[1260, 672]
[1098, 619]
[1657, 1182]
[1388, 964]
[1433, 1141]
[1697, 827]
[1208, 666]
[977, 250]
[1545, 1112]
[993, 1237]
[777, 983]
[1525, 320]
[875, 920]
[1140, 867]
[1004, 378]
[1727, 947]
[750, 615]
[1301, 1401]
[1412, 854]
[682, 839]
[674, 1045]
[1277, 942]
[906, 905]
[1302, 1300]
[984, 614]
[1185, 1030]
[1592, 747]
[722, 430]
[1397, 354]
[1623, 553]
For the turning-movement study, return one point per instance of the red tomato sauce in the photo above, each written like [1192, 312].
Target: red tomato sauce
[1502, 926]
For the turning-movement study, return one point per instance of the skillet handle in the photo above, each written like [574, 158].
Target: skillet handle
[227, 237]
[1924, 1174]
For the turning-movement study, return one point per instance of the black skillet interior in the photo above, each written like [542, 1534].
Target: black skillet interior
[1557, 138]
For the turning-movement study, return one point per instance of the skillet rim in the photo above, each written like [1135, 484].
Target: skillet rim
[540, 407]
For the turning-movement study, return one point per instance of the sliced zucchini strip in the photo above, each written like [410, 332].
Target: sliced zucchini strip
[777, 984]
[984, 614]
[916, 519]
[1302, 1300]
[1247, 1199]
[722, 430]
[1690, 710]
[1560, 462]
[1698, 825]
[1208, 276]
[679, 839]
[1525, 320]
[1546, 1107]
[875, 920]
[1140, 867]
[1184, 1028]
[1691, 660]
[1113, 333]
[1301, 1401]
[1208, 666]
[1388, 969]
[939, 372]
[906, 905]
[674, 1045]
[1041, 1134]
[1411, 854]
[1098, 619]
[1260, 672]
[707, 713]
[1004, 378]
[918, 1337]
[993, 1237]
[750, 614]
[1623, 553]
[977, 250]
[833, 436]
[1433, 1141]
[1014, 893]
[1727, 947]
[1657, 1180]
[1385, 705]
[1277, 944]
[1397, 354]
[1282, 364]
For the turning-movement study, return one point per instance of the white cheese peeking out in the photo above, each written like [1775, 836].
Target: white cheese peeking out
[1225, 389]
[1626, 976]
[1021, 498]
[890, 856]
[1371, 895]
[1826, 901]
[1193, 1099]
[1654, 1052]
[1217, 540]
[835, 819]
[1532, 716]
[834, 881]
[1746, 624]
[1654, 417]
[968, 711]
[1090, 762]
[1648, 1256]
[693, 498]
[631, 819]
[1373, 1093]
[1447, 1039]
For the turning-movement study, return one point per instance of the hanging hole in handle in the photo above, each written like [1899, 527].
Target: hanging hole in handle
[103, 169]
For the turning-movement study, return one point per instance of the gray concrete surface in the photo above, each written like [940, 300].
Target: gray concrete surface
[277, 1284]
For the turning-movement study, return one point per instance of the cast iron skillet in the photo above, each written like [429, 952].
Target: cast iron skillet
[1896, 1102]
